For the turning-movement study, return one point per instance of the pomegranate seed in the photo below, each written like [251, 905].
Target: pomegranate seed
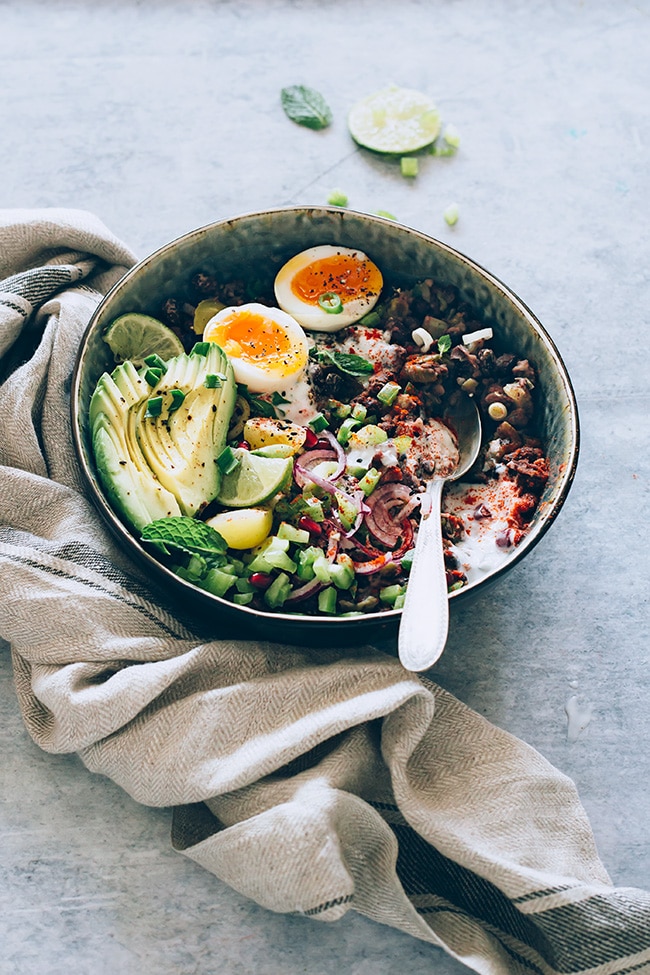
[309, 525]
[311, 439]
[244, 445]
[261, 580]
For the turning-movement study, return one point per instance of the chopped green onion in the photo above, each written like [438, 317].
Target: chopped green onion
[451, 214]
[330, 302]
[359, 411]
[154, 406]
[278, 399]
[212, 380]
[155, 362]
[371, 320]
[337, 198]
[318, 423]
[370, 480]
[153, 376]
[227, 461]
[177, 396]
[346, 428]
[200, 348]
[388, 393]
[409, 166]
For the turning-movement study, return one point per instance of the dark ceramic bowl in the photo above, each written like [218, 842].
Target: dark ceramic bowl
[255, 245]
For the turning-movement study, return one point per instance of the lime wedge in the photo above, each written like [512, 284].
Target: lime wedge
[254, 480]
[134, 336]
[396, 120]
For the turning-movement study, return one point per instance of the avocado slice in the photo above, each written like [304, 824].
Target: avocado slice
[156, 466]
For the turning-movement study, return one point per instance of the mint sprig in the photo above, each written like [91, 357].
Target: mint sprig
[347, 362]
[184, 534]
[305, 106]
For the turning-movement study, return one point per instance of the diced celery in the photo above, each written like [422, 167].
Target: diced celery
[243, 585]
[272, 559]
[359, 412]
[321, 569]
[291, 534]
[314, 508]
[407, 560]
[399, 602]
[369, 435]
[327, 600]
[369, 481]
[388, 393]
[196, 567]
[347, 509]
[242, 598]
[341, 575]
[389, 594]
[278, 591]
[306, 558]
[217, 581]
[402, 444]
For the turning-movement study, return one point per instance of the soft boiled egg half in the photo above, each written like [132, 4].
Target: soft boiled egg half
[327, 287]
[267, 347]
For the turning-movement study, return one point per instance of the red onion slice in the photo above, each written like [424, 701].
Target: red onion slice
[304, 592]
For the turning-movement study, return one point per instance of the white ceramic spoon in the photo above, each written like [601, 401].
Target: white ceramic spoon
[425, 616]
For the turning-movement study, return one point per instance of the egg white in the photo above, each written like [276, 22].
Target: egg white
[256, 360]
[308, 312]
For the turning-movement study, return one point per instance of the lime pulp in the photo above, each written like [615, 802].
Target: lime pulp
[394, 120]
[135, 336]
[255, 479]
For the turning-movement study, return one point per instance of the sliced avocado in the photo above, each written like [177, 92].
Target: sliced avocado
[156, 466]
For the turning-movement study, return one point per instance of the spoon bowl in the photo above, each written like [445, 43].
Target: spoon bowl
[425, 615]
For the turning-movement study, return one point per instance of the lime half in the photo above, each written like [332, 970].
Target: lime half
[395, 120]
[254, 480]
[134, 336]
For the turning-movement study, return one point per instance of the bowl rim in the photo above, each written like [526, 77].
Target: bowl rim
[330, 623]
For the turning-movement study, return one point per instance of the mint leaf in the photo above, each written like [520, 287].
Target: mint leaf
[444, 344]
[347, 362]
[305, 106]
[184, 534]
[258, 405]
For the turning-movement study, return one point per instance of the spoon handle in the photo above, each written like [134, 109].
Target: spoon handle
[425, 615]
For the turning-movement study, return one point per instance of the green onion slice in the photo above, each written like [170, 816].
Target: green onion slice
[330, 302]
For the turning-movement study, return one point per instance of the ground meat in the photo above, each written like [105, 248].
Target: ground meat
[424, 370]
[530, 469]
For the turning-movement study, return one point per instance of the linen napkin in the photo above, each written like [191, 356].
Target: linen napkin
[312, 781]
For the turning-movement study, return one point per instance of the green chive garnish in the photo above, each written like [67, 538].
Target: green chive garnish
[331, 303]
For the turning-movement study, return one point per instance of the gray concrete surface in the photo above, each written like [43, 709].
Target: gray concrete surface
[160, 117]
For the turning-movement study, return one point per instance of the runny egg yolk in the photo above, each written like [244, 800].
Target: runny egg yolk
[343, 274]
[267, 348]
[327, 287]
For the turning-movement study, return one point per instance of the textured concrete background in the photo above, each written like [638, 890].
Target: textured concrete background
[161, 117]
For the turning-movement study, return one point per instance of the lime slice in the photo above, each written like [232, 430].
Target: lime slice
[394, 120]
[254, 480]
[134, 336]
